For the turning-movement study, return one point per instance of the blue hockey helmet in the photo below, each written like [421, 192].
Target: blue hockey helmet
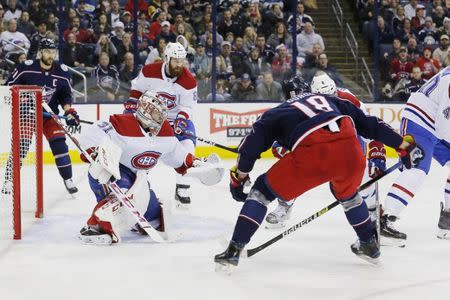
[294, 86]
[47, 44]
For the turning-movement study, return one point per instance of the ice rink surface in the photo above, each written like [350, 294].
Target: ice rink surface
[313, 263]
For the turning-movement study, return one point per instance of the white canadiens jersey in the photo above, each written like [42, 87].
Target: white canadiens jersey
[430, 105]
[140, 151]
[180, 93]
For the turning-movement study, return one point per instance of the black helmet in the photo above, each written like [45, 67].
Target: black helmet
[294, 86]
[47, 44]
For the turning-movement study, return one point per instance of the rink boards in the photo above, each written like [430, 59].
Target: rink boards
[223, 123]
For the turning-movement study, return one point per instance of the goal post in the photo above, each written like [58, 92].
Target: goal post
[21, 178]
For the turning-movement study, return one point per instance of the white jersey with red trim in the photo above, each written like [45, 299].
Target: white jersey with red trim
[140, 150]
[347, 95]
[180, 92]
[429, 107]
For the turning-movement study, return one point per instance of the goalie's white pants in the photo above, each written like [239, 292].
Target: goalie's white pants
[190, 147]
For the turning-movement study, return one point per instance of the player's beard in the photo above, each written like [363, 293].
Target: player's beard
[175, 71]
[48, 61]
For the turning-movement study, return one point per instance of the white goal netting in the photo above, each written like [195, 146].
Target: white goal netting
[20, 157]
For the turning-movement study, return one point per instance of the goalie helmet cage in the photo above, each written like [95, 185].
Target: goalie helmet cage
[20, 156]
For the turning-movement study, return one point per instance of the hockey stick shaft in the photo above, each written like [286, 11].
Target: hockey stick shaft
[152, 233]
[231, 149]
[46, 114]
[253, 251]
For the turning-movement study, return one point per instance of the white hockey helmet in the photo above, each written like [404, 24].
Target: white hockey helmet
[175, 50]
[151, 111]
[323, 84]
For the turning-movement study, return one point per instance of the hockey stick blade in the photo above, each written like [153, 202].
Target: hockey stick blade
[46, 114]
[253, 251]
[231, 149]
[152, 233]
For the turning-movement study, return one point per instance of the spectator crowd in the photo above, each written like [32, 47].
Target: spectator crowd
[413, 39]
[253, 54]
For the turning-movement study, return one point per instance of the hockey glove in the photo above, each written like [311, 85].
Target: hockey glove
[130, 106]
[105, 168]
[189, 162]
[180, 126]
[72, 118]
[237, 183]
[376, 158]
[278, 151]
[412, 154]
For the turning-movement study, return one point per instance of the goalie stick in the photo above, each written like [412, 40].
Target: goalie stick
[253, 251]
[152, 233]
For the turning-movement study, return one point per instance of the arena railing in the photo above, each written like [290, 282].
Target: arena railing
[78, 93]
[366, 77]
[336, 8]
[352, 46]
[14, 45]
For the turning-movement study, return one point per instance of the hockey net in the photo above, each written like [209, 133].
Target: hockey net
[20, 157]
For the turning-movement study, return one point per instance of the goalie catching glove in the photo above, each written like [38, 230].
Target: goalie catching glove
[105, 167]
[208, 170]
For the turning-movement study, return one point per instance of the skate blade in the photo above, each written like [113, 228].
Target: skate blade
[101, 240]
[275, 225]
[374, 261]
[390, 242]
[182, 206]
[226, 269]
[443, 234]
[72, 196]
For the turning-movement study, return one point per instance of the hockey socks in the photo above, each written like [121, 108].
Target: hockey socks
[62, 158]
[250, 218]
[403, 191]
[358, 216]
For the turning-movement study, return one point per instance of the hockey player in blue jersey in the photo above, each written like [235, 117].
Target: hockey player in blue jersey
[319, 131]
[427, 117]
[376, 153]
[55, 80]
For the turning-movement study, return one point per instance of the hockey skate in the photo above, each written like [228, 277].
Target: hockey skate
[229, 259]
[70, 186]
[444, 224]
[390, 235]
[182, 196]
[369, 251]
[279, 217]
[90, 235]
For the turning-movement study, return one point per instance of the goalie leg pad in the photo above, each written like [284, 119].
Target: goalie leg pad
[101, 223]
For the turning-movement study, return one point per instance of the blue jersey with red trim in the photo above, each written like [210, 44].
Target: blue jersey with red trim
[56, 82]
[289, 123]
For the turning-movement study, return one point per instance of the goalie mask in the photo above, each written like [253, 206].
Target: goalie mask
[151, 111]
[323, 84]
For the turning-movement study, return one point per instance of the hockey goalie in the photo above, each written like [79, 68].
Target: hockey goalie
[124, 150]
